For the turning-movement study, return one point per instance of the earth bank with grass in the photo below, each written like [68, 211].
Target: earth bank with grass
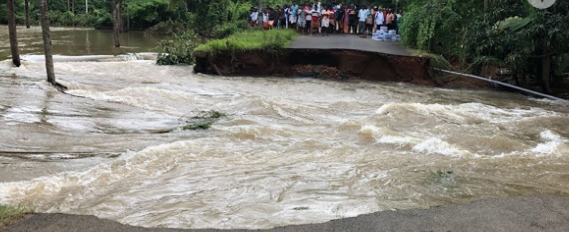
[268, 53]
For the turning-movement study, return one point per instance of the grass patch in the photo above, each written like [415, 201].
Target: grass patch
[250, 40]
[8, 214]
[198, 126]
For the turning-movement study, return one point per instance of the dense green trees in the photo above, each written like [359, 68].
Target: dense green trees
[506, 33]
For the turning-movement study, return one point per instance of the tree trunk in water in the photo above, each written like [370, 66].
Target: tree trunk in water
[27, 13]
[116, 23]
[86, 6]
[119, 16]
[546, 66]
[47, 43]
[13, 34]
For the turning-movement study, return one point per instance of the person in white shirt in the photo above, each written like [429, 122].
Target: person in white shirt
[254, 17]
[379, 19]
[362, 15]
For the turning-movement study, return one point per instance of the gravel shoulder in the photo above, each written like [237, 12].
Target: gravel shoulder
[531, 213]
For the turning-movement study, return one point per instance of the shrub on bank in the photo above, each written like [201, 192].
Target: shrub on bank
[180, 50]
[9, 214]
[271, 40]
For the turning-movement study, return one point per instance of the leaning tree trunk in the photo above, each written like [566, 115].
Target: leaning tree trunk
[47, 43]
[116, 23]
[13, 34]
[27, 2]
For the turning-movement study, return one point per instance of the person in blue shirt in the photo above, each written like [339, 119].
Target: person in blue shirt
[293, 15]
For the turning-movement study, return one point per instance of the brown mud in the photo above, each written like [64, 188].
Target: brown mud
[338, 64]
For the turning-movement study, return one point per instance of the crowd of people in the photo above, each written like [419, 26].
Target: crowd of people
[311, 18]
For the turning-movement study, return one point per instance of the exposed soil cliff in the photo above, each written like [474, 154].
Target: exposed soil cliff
[320, 63]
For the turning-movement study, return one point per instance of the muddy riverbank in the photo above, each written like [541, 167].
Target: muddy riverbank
[319, 63]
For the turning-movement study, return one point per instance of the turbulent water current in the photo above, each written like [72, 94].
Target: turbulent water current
[289, 151]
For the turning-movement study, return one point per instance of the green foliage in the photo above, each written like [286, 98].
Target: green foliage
[272, 40]
[9, 214]
[180, 50]
[168, 27]
[508, 33]
[202, 120]
[208, 115]
[227, 29]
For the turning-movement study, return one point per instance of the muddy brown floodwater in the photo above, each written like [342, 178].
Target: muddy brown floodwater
[290, 151]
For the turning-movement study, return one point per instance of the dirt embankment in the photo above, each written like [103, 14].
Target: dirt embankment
[319, 63]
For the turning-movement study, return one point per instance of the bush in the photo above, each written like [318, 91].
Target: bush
[180, 50]
[9, 214]
[225, 30]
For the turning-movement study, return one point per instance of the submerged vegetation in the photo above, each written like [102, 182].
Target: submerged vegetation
[202, 120]
[198, 126]
[8, 214]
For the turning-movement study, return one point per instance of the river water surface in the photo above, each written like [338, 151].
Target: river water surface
[290, 151]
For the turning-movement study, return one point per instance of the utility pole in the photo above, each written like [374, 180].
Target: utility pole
[260, 19]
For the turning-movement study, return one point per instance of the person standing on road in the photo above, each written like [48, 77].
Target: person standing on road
[325, 21]
[340, 19]
[389, 20]
[280, 17]
[353, 20]
[301, 13]
[379, 17]
[308, 18]
[362, 16]
[315, 21]
[332, 17]
[293, 19]
[369, 20]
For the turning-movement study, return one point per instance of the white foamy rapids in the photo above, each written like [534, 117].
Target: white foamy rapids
[420, 145]
[289, 151]
[155, 99]
[467, 112]
[93, 58]
[553, 144]
[202, 186]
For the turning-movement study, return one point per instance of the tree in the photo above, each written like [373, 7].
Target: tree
[13, 34]
[116, 21]
[47, 44]
[27, 3]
